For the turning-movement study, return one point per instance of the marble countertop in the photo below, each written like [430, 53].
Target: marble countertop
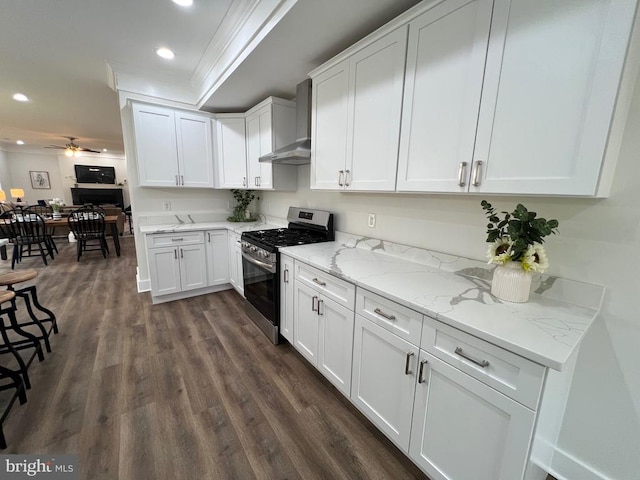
[197, 226]
[546, 329]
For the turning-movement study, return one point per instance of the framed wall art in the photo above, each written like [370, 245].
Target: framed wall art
[40, 180]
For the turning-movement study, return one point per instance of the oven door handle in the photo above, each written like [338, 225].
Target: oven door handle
[270, 268]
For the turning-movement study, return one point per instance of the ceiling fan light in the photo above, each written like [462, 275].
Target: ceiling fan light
[19, 142]
[77, 153]
[68, 152]
[20, 97]
[183, 3]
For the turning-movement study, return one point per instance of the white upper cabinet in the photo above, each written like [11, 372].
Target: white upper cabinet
[270, 125]
[241, 139]
[445, 66]
[231, 151]
[357, 107]
[173, 147]
[551, 84]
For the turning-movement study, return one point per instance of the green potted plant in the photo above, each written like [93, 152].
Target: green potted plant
[516, 247]
[240, 213]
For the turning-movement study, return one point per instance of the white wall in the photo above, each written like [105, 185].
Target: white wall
[17, 165]
[599, 242]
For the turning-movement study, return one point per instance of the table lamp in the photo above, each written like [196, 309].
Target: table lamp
[17, 193]
[3, 196]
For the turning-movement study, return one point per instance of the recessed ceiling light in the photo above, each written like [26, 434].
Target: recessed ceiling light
[19, 142]
[165, 53]
[105, 150]
[20, 97]
[183, 3]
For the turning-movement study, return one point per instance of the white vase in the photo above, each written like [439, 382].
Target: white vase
[511, 283]
[57, 215]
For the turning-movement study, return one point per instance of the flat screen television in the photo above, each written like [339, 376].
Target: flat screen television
[94, 174]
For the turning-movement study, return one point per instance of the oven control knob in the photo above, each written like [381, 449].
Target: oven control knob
[253, 248]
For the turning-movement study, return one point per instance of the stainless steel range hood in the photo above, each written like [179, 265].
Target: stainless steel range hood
[298, 152]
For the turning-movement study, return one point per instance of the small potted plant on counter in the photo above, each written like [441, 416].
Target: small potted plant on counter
[516, 247]
[240, 212]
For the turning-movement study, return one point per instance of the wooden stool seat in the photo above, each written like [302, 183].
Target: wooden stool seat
[7, 296]
[17, 277]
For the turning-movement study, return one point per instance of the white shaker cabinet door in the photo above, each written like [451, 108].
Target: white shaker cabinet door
[306, 325]
[156, 150]
[217, 257]
[195, 152]
[193, 271]
[335, 345]
[445, 67]
[329, 127]
[164, 270]
[465, 430]
[552, 77]
[375, 104]
[384, 379]
[231, 152]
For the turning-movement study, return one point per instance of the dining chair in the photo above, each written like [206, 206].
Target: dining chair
[87, 225]
[45, 211]
[25, 231]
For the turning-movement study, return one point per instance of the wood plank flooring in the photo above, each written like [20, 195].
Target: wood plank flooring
[183, 390]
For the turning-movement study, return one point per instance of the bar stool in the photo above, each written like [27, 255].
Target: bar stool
[29, 295]
[15, 381]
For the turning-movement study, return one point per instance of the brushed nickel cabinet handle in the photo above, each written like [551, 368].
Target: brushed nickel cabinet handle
[340, 180]
[407, 371]
[319, 303]
[322, 284]
[182, 179]
[313, 303]
[477, 170]
[175, 254]
[388, 316]
[177, 180]
[244, 181]
[177, 239]
[209, 236]
[259, 181]
[482, 363]
[421, 373]
[461, 174]
[181, 254]
[286, 275]
[347, 178]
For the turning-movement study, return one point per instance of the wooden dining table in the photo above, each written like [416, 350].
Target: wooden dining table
[110, 220]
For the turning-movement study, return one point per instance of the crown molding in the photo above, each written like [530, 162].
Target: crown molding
[245, 25]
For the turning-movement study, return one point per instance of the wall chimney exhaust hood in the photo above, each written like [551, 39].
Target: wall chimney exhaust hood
[298, 152]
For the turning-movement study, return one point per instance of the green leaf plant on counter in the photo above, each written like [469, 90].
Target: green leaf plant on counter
[518, 237]
[240, 213]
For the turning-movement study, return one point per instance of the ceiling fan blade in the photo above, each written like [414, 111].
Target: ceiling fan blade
[55, 146]
[87, 150]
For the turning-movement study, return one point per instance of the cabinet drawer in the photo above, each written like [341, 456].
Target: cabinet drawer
[168, 239]
[396, 318]
[344, 293]
[511, 374]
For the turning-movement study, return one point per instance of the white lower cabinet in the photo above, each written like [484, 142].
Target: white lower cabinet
[384, 379]
[465, 430]
[235, 263]
[217, 257]
[323, 334]
[177, 263]
[287, 292]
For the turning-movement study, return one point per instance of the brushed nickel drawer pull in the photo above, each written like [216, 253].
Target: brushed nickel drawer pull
[175, 254]
[482, 363]
[420, 374]
[177, 239]
[286, 275]
[181, 254]
[319, 303]
[322, 284]
[385, 315]
[407, 371]
[477, 169]
[461, 174]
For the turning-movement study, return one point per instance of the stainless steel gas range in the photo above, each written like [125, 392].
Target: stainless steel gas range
[260, 263]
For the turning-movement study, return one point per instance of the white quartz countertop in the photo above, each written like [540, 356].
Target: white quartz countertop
[197, 226]
[545, 330]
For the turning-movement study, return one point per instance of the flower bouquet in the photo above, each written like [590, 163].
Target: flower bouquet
[516, 247]
[55, 204]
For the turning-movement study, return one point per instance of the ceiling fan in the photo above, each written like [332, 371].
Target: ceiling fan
[72, 149]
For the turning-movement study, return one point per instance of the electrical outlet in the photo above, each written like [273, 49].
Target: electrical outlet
[371, 222]
[166, 205]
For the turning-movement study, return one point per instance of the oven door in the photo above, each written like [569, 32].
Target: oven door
[261, 287]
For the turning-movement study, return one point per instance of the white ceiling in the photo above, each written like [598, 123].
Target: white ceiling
[57, 53]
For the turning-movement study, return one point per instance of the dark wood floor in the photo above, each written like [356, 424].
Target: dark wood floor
[188, 389]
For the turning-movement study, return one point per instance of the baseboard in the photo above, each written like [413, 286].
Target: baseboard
[143, 285]
[566, 467]
[191, 293]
